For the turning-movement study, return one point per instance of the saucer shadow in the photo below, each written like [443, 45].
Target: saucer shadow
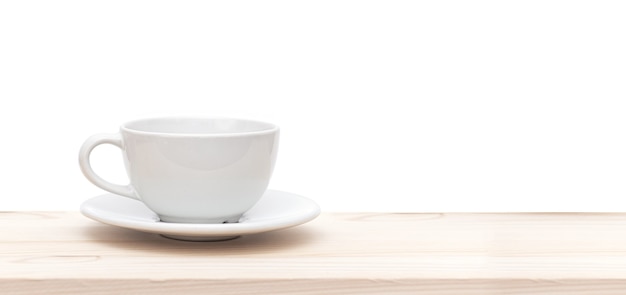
[268, 242]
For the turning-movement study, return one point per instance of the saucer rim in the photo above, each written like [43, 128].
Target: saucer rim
[206, 230]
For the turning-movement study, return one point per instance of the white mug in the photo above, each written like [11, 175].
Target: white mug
[191, 170]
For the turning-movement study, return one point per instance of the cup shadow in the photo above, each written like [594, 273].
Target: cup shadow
[268, 242]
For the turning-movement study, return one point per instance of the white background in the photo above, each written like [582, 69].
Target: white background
[383, 105]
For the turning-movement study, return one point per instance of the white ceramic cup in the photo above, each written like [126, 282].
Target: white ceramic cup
[191, 170]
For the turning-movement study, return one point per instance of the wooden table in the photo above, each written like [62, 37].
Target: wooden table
[517, 253]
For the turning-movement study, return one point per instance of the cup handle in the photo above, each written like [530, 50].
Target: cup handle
[85, 164]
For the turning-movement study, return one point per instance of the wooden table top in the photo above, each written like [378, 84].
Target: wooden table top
[338, 253]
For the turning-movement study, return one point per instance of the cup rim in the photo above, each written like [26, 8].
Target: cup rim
[271, 128]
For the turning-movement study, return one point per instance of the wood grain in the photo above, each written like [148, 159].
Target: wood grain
[516, 253]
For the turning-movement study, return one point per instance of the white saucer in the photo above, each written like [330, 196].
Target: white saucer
[276, 210]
